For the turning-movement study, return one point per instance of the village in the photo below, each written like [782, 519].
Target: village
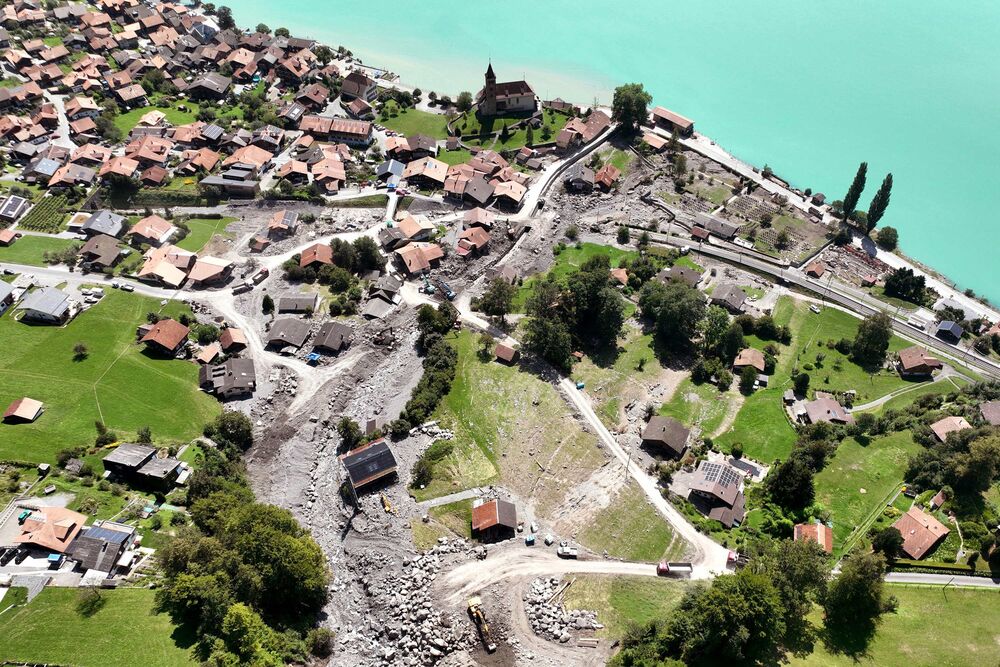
[231, 253]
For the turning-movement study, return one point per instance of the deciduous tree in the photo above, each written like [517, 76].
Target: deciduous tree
[629, 105]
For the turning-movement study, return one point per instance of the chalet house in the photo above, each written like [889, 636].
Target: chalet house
[46, 306]
[288, 334]
[369, 464]
[132, 96]
[99, 252]
[921, 532]
[167, 337]
[140, 465]
[233, 340]
[238, 180]
[70, 175]
[751, 357]
[579, 178]
[104, 222]
[52, 529]
[316, 256]
[826, 409]
[914, 362]
[671, 121]
[359, 108]
[282, 224]
[357, 85]
[680, 274]
[233, 378]
[313, 96]
[578, 132]
[944, 427]
[817, 532]
[300, 303]
[665, 435]
[333, 337]
[494, 520]
[357, 133]
[426, 172]
[472, 241]
[419, 258]
[730, 297]
[211, 86]
[102, 546]
[717, 492]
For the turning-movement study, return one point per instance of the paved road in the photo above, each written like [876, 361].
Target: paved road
[941, 580]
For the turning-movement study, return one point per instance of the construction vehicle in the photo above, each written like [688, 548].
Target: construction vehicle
[566, 551]
[479, 618]
[667, 569]
[387, 506]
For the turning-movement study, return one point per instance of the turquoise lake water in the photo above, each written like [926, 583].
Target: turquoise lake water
[809, 88]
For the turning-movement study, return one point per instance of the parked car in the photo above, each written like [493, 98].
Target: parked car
[566, 551]
[21, 554]
[127, 288]
[6, 555]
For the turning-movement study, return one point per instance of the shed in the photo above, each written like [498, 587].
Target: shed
[23, 410]
[368, 464]
[494, 520]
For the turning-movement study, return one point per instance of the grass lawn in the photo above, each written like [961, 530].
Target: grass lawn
[202, 231]
[510, 427]
[614, 379]
[570, 259]
[762, 427]
[876, 467]
[761, 424]
[622, 601]
[414, 121]
[904, 400]
[126, 121]
[116, 383]
[629, 528]
[700, 404]
[29, 249]
[368, 201]
[476, 130]
[425, 535]
[126, 631]
[932, 627]
[617, 158]
[460, 156]
[456, 517]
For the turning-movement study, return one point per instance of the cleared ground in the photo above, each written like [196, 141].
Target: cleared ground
[511, 427]
[116, 383]
[125, 632]
[622, 600]
[630, 529]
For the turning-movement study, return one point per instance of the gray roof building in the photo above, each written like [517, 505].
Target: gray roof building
[288, 331]
[47, 304]
[234, 377]
[298, 304]
[104, 222]
[729, 296]
[99, 547]
[333, 336]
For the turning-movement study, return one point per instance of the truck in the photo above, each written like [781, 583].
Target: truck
[445, 288]
[259, 277]
[672, 569]
[242, 288]
[479, 618]
[736, 559]
[564, 550]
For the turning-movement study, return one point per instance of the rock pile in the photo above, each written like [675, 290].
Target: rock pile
[549, 619]
[413, 632]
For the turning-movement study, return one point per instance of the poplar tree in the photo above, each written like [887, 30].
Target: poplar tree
[880, 202]
[854, 193]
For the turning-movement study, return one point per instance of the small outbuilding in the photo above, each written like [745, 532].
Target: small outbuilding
[494, 520]
[667, 435]
[368, 464]
[23, 410]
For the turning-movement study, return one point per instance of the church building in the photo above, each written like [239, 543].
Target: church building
[496, 99]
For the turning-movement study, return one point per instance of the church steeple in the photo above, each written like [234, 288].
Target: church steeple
[490, 76]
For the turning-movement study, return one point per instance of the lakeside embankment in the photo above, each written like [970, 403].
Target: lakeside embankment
[810, 90]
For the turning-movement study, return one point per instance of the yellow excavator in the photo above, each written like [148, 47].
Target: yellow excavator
[479, 618]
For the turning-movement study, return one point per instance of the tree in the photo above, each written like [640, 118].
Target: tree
[854, 603]
[872, 341]
[676, 308]
[748, 376]
[267, 305]
[790, 484]
[144, 435]
[623, 235]
[549, 339]
[629, 105]
[498, 299]
[350, 434]
[595, 310]
[732, 343]
[80, 351]
[231, 427]
[903, 283]
[887, 238]
[529, 135]
[888, 542]
[224, 17]
[464, 101]
[504, 133]
[737, 620]
[368, 257]
[283, 32]
[323, 54]
[486, 343]
[801, 384]
[263, 29]
[714, 328]
[880, 202]
[854, 192]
